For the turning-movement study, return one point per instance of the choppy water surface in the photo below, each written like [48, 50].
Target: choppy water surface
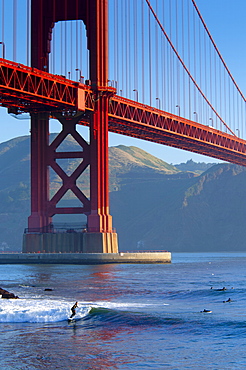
[129, 316]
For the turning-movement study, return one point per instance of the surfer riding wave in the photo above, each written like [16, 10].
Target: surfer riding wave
[73, 310]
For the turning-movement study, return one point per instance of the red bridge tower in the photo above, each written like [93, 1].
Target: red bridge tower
[99, 236]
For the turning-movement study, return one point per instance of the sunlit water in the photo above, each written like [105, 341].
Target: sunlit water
[129, 316]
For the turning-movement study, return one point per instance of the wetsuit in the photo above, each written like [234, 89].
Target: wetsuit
[73, 309]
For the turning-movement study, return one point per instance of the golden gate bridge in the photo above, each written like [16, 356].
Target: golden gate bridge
[145, 69]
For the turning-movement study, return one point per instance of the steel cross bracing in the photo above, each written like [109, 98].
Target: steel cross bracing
[131, 118]
[31, 90]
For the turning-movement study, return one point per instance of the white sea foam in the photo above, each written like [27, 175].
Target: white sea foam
[121, 305]
[37, 310]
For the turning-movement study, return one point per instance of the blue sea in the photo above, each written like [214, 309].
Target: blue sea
[129, 316]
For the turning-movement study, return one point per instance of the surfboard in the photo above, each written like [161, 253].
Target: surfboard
[73, 319]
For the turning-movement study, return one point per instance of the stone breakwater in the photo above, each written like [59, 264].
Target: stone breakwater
[85, 258]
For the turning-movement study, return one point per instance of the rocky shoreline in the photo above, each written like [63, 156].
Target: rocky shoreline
[5, 294]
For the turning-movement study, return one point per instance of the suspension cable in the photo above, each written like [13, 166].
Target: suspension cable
[217, 50]
[185, 68]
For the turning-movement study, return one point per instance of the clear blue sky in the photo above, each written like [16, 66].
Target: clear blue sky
[226, 22]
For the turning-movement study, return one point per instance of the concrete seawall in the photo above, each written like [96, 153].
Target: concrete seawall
[84, 258]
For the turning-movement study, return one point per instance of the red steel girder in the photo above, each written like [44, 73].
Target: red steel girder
[131, 118]
[32, 90]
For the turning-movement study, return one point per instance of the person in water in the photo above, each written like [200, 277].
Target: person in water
[73, 309]
[228, 300]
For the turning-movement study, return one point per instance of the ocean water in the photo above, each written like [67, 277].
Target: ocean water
[129, 316]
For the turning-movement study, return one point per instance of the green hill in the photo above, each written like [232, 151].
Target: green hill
[205, 213]
[154, 205]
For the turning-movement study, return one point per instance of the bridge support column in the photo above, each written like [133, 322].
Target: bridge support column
[39, 218]
[100, 230]
[99, 219]
[99, 237]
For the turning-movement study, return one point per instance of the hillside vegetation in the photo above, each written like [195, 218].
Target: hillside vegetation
[154, 205]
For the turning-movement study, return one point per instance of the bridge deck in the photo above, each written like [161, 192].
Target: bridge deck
[25, 89]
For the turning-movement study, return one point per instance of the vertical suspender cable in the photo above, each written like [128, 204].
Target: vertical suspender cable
[184, 94]
[28, 33]
[243, 111]
[135, 18]
[157, 61]
[229, 101]
[220, 76]
[215, 81]
[3, 20]
[124, 31]
[14, 29]
[189, 81]
[236, 110]
[210, 67]
[118, 43]
[233, 109]
[62, 48]
[88, 63]
[66, 48]
[77, 39]
[169, 62]
[172, 71]
[244, 123]
[150, 66]
[200, 63]
[205, 71]
[200, 55]
[127, 46]
[130, 46]
[122, 50]
[80, 48]
[194, 56]
[225, 95]
[71, 49]
[177, 47]
[115, 42]
[163, 43]
[118, 47]
[238, 117]
[143, 56]
[54, 39]
[53, 51]
[65, 23]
